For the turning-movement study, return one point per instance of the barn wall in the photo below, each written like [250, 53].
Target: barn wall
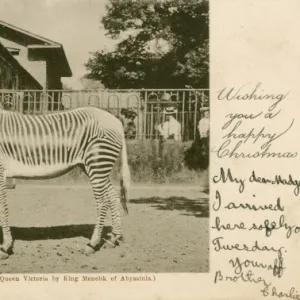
[7, 75]
[53, 77]
[37, 69]
[10, 78]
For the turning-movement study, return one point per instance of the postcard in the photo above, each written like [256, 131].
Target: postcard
[149, 149]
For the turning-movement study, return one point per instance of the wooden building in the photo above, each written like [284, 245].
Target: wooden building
[28, 62]
[43, 62]
[12, 75]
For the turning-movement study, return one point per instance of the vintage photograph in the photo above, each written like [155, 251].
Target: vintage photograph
[104, 136]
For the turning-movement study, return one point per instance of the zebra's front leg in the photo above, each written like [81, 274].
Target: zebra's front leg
[102, 204]
[116, 235]
[7, 244]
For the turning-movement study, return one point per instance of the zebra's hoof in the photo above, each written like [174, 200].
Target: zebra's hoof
[119, 240]
[3, 255]
[89, 250]
[109, 243]
[115, 240]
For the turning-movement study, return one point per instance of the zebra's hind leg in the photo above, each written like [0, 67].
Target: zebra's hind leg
[116, 235]
[102, 204]
[6, 247]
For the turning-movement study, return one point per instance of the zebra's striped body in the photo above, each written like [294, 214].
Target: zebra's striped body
[48, 145]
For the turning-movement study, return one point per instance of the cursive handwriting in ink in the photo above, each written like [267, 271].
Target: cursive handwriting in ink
[224, 151]
[292, 294]
[276, 268]
[219, 246]
[254, 207]
[252, 135]
[256, 94]
[270, 137]
[218, 226]
[278, 179]
[236, 116]
[224, 177]
[269, 227]
[217, 205]
[245, 277]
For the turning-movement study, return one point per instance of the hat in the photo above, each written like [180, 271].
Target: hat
[168, 102]
[170, 110]
[166, 97]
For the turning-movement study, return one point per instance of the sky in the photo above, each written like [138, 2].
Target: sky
[73, 23]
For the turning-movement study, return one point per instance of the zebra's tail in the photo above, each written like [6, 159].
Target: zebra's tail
[125, 178]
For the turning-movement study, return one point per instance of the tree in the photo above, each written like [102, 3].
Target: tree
[165, 45]
[66, 87]
[89, 84]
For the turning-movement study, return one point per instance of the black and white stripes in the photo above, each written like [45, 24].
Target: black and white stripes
[48, 145]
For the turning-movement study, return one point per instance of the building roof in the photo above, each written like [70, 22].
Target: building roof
[10, 60]
[37, 45]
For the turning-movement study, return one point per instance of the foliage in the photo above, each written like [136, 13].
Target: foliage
[66, 87]
[89, 84]
[196, 157]
[164, 44]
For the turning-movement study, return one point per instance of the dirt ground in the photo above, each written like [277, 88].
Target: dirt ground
[166, 231]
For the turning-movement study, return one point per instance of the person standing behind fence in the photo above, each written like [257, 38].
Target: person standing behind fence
[203, 128]
[128, 123]
[171, 128]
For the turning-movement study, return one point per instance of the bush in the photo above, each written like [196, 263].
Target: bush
[197, 155]
[151, 161]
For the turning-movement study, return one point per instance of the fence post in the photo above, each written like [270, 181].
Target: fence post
[144, 135]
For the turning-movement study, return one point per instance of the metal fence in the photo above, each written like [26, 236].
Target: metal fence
[144, 108]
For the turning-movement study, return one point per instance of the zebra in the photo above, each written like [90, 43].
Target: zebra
[49, 145]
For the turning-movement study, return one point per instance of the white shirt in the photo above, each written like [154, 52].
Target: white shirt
[203, 127]
[170, 127]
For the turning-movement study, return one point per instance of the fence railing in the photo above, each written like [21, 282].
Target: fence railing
[141, 110]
